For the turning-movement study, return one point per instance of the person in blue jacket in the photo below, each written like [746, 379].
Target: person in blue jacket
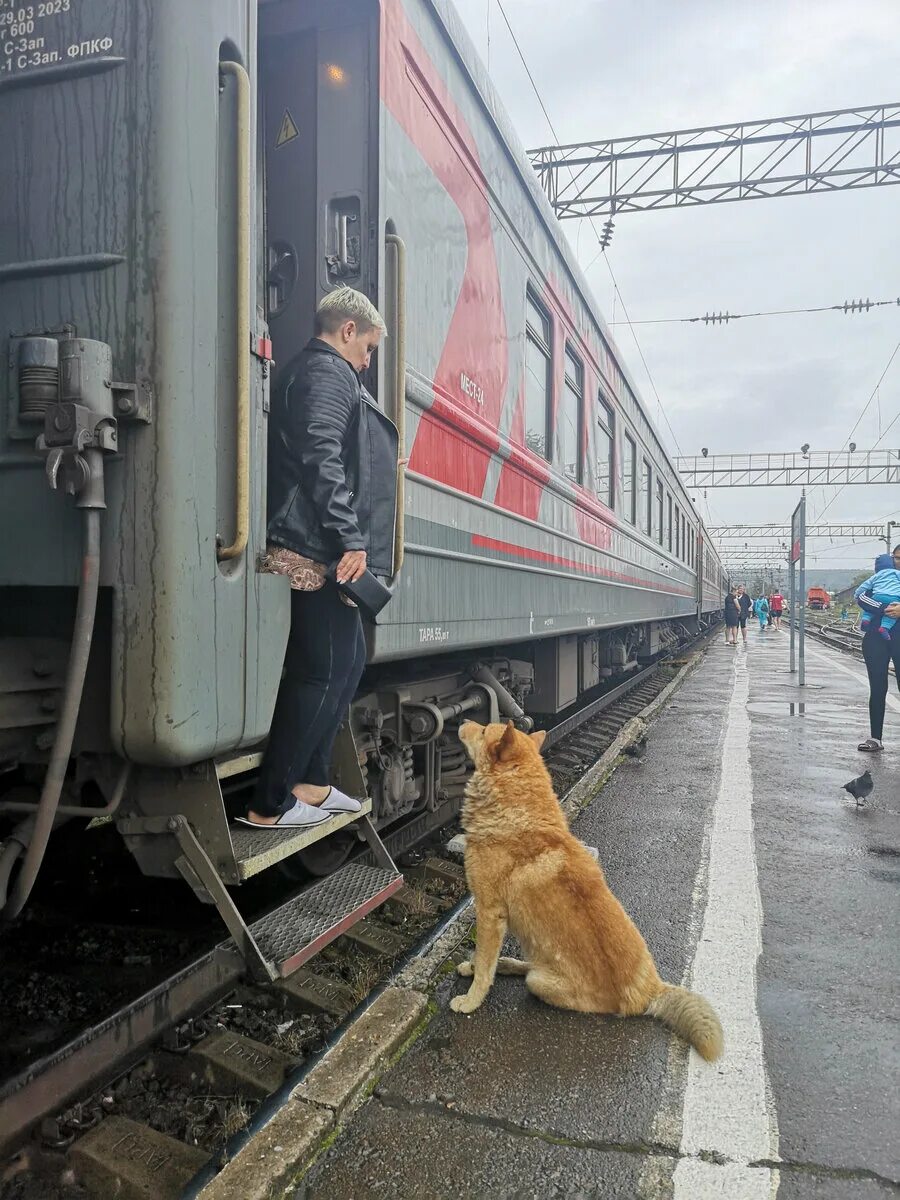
[761, 608]
[879, 598]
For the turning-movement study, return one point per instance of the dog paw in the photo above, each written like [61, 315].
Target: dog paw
[465, 968]
[464, 1003]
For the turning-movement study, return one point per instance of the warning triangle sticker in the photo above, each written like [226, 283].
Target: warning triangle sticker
[288, 130]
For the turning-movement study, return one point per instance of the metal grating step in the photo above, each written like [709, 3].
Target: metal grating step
[255, 849]
[293, 933]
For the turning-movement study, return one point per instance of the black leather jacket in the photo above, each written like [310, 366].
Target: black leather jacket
[332, 463]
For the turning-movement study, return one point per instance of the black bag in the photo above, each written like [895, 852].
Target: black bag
[368, 592]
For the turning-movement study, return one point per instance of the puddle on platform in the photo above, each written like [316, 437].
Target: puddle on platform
[823, 710]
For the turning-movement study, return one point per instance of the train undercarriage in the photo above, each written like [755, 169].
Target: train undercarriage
[400, 748]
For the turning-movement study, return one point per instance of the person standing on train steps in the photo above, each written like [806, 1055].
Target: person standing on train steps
[879, 598]
[745, 604]
[332, 504]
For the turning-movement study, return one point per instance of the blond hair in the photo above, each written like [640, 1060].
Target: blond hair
[346, 304]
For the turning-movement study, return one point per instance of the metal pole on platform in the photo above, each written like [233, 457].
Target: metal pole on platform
[792, 595]
[802, 653]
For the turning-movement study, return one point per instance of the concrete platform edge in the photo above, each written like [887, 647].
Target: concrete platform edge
[591, 782]
[307, 1123]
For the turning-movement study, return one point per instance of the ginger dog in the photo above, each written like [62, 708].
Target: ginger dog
[529, 874]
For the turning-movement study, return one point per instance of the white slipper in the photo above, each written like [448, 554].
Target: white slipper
[337, 801]
[295, 818]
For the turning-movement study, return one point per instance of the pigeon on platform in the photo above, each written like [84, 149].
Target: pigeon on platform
[860, 787]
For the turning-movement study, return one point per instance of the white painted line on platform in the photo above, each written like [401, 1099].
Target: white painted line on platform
[892, 700]
[729, 1115]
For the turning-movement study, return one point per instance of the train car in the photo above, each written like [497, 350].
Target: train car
[185, 182]
[818, 598]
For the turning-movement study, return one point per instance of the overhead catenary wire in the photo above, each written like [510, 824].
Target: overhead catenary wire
[723, 318]
[865, 409]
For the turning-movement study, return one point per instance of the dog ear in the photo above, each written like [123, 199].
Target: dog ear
[539, 737]
[505, 747]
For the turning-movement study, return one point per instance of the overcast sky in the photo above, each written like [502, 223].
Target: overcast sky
[610, 68]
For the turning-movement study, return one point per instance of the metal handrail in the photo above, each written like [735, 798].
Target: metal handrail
[242, 485]
[393, 239]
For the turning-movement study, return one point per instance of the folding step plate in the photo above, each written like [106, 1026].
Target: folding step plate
[293, 933]
[258, 848]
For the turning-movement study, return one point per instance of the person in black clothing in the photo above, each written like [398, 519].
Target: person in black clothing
[746, 606]
[880, 645]
[332, 505]
[732, 617]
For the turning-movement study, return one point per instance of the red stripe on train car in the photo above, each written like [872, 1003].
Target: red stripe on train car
[523, 475]
[474, 364]
[557, 560]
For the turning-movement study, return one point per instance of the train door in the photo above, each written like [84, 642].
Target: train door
[318, 79]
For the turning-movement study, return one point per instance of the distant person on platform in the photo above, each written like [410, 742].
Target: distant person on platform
[879, 598]
[761, 608]
[776, 607]
[732, 616]
[745, 604]
[332, 500]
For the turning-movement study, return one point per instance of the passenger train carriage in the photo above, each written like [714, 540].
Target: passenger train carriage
[185, 182]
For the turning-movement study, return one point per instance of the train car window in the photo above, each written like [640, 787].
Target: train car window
[658, 531]
[647, 497]
[570, 423]
[677, 532]
[605, 441]
[669, 525]
[538, 376]
[629, 479]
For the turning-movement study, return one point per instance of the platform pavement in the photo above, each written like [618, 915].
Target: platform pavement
[732, 839]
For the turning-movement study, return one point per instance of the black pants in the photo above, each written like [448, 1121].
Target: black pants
[878, 652]
[325, 658]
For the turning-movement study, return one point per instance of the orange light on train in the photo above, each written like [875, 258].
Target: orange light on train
[335, 74]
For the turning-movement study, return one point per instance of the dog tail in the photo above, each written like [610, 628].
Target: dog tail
[691, 1016]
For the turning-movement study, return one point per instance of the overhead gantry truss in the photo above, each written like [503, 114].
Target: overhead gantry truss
[815, 469]
[862, 531]
[750, 160]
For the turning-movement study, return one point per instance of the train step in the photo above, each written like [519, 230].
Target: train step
[293, 933]
[257, 849]
[282, 940]
[170, 818]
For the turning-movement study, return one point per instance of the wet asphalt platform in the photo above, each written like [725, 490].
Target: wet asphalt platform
[754, 879]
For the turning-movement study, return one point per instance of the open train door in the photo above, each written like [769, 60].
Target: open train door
[319, 102]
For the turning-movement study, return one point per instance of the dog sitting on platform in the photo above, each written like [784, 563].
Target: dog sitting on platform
[530, 875]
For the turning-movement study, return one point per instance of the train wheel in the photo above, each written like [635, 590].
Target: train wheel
[321, 858]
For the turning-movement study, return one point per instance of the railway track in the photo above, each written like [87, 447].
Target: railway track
[841, 635]
[186, 1069]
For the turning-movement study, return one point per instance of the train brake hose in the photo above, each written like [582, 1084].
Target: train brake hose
[83, 633]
